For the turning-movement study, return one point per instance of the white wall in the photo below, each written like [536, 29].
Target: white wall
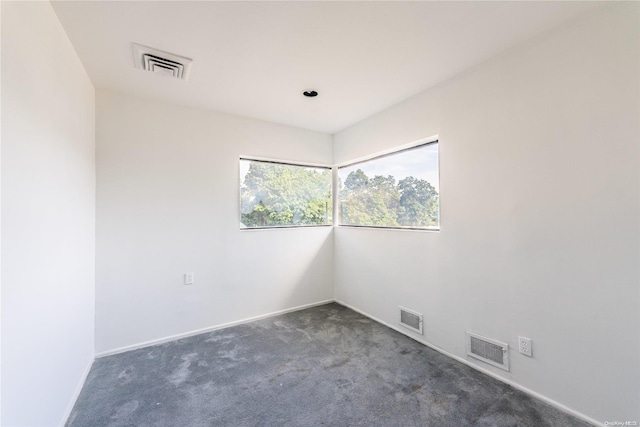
[48, 217]
[539, 161]
[167, 204]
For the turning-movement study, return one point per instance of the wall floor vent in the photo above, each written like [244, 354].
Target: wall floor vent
[165, 63]
[490, 351]
[411, 320]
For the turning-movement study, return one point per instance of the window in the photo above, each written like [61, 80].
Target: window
[397, 190]
[274, 194]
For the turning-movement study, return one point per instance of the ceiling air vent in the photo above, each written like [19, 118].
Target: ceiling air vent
[160, 62]
[490, 351]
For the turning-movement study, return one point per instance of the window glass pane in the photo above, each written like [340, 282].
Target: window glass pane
[283, 195]
[399, 190]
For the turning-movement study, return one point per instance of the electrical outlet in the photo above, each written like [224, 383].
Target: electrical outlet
[524, 346]
[188, 279]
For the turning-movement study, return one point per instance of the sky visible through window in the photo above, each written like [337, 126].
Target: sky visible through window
[398, 190]
[421, 163]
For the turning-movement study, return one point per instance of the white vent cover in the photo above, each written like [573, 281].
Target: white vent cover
[490, 351]
[157, 61]
[411, 319]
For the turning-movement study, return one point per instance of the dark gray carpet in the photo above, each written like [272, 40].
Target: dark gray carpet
[324, 366]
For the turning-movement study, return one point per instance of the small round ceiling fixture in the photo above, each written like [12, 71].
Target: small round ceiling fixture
[310, 93]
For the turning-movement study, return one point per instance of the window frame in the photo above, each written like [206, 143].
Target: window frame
[380, 155]
[331, 215]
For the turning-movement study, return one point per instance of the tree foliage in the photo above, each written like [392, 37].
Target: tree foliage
[274, 194]
[380, 201]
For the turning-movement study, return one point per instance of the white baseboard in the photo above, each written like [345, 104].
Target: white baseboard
[76, 393]
[207, 329]
[515, 385]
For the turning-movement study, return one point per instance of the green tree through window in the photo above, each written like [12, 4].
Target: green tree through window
[281, 195]
[396, 190]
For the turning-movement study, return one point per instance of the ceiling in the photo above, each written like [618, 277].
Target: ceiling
[255, 58]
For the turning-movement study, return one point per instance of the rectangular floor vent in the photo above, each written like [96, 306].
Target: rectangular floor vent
[411, 319]
[490, 351]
